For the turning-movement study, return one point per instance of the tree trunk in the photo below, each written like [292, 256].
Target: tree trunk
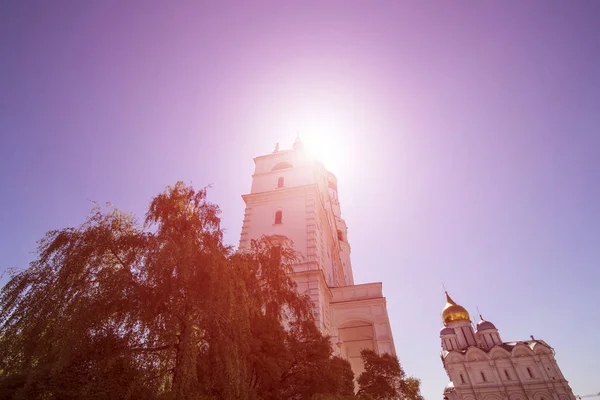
[184, 375]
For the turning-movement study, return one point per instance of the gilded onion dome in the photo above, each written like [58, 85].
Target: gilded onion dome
[454, 312]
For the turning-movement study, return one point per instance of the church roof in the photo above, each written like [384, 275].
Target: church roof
[447, 331]
[530, 343]
[508, 346]
[483, 325]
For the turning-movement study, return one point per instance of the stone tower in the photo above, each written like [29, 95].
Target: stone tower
[293, 195]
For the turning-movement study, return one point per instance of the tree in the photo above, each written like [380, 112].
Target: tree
[384, 378]
[313, 370]
[117, 309]
[66, 320]
[411, 388]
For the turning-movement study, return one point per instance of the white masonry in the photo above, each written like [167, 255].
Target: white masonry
[293, 195]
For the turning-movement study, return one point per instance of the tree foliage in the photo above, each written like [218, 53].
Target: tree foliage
[118, 309]
[384, 378]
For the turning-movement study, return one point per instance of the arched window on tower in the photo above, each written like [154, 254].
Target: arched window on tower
[340, 235]
[278, 217]
[280, 182]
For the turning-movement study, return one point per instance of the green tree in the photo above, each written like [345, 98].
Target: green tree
[384, 378]
[117, 309]
[411, 389]
[312, 370]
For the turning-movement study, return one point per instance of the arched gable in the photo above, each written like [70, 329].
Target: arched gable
[355, 321]
[498, 352]
[476, 354]
[491, 397]
[454, 356]
[521, 350]
[539, 348]
[354, 336]
[345, 318]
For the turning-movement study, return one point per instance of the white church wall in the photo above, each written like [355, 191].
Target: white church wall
[521, 375]
[489, 371]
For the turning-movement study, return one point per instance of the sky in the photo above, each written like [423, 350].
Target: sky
[464, 135]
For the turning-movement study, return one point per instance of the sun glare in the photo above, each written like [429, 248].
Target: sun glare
[327, 118]
[326, 139]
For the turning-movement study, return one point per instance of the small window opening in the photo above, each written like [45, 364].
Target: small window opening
[462, 379]
[507, 375]
[280, 182]
[529, 372]
[340, 235]
[278, 217]
[483, 377]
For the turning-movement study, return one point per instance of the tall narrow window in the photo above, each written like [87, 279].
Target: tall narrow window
[280, 182]
[462, 379]
[340, 235]
[507, 375]
[278, 217]
[529, 372]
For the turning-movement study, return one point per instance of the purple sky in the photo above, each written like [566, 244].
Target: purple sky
[471, 141]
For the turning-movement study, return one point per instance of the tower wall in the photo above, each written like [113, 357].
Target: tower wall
[294, 196]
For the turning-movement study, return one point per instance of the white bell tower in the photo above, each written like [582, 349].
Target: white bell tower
[293, 195]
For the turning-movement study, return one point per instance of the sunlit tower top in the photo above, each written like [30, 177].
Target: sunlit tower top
[293, 195]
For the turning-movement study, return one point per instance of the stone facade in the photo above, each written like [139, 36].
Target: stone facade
[293, 195]
[482, 367]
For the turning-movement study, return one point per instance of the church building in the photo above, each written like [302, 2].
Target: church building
[483, 367]
[294, 196]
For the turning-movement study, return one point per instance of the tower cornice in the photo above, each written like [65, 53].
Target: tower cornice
[281, 191]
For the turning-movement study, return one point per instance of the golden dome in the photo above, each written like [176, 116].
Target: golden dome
[454, 312]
